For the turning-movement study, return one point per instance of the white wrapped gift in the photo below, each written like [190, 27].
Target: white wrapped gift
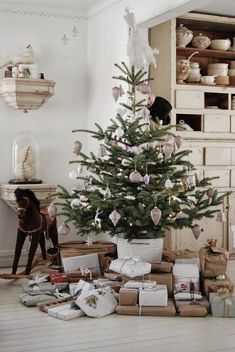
[80, 288]
[89, 261]
[131, 267]
[156, 296]
[140, 284]
[187, 296]
[185, 276]
[65, 312]
[97, 303]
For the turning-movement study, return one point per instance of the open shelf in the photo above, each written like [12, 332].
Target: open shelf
[219, 54]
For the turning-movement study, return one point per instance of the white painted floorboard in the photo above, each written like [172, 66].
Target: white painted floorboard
[25, 329]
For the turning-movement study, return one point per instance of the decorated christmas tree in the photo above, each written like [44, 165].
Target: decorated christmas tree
[141, 183]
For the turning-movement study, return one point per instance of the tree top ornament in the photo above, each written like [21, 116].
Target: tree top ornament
[138, 49]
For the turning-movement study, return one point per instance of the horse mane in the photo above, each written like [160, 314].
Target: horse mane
[20, 193]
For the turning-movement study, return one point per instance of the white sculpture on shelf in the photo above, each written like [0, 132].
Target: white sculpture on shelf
[25, 168]
[27, 57]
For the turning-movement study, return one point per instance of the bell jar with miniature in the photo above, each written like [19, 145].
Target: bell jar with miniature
[26, 159]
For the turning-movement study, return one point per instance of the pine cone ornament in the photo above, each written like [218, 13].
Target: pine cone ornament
[196, 229]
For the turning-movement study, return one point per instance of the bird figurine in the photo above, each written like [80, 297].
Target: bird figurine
[27, 57]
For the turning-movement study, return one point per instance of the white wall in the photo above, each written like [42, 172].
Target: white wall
[54, 121]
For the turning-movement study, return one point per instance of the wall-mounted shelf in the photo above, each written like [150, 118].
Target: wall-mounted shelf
[26, 94]
[43, 192]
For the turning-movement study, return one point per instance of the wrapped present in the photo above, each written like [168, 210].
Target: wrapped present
[104, 249]
[188, 261]
[161, 267]
[97, 303]
[168, 311]
[83, 273]
[186, 277]
[171, 256]
[204, 302]
[222, 303]
[213, 260]
[140, 284]
[156, 296]
[113, 276]
[131, 267]
[65, 312]
[160, 278]
[44, 306]
[89, 261]
[58, 278]
[213, 285]
[80, 288]
[40, 287]
[128, 296]
[194, 309]
[188, 296]
[163, 279]
[31, 299]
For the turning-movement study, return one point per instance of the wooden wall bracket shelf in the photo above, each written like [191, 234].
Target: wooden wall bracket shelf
[44, 193]
[26, 94]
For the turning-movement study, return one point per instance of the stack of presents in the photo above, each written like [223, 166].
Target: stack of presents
[92, 282]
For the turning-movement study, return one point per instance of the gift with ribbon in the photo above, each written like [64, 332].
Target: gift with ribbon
[168, 311]
[193, 309]
[213, 285]
[222, 303]
[213, 260]
[131, 267]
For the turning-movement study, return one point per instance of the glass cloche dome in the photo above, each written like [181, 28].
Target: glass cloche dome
[26, 159]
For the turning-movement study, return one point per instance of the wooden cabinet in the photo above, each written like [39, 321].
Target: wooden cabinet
[208, 111]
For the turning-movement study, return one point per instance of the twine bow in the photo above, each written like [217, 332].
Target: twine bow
[85, 272]
[226, 295]
[37, 280]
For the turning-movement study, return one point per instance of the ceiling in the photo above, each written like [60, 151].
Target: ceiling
[220, 7]
[66, 4]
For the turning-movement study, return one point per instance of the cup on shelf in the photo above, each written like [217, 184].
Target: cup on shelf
[209, 80]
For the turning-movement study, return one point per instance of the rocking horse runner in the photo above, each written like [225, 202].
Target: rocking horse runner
[32, 222]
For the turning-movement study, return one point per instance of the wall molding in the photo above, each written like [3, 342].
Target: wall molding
[7, 256]
[38, 13]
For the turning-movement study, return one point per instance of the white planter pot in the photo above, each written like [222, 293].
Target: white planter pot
[149, 250]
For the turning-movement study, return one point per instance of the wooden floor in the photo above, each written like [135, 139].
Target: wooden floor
[27, 329]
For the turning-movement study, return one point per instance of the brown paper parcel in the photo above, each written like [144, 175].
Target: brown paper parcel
[213, 261]
[128, 297]
[194, 309]
[161, 279]
[212, 285]
[168, 311]
[161, 267]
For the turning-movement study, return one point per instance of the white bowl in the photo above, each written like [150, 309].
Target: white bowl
[220, 44]
[208, 80]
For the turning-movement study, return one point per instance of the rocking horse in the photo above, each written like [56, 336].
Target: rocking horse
[34, 223]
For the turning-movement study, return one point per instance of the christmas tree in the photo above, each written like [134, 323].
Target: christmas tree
[140, 184]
